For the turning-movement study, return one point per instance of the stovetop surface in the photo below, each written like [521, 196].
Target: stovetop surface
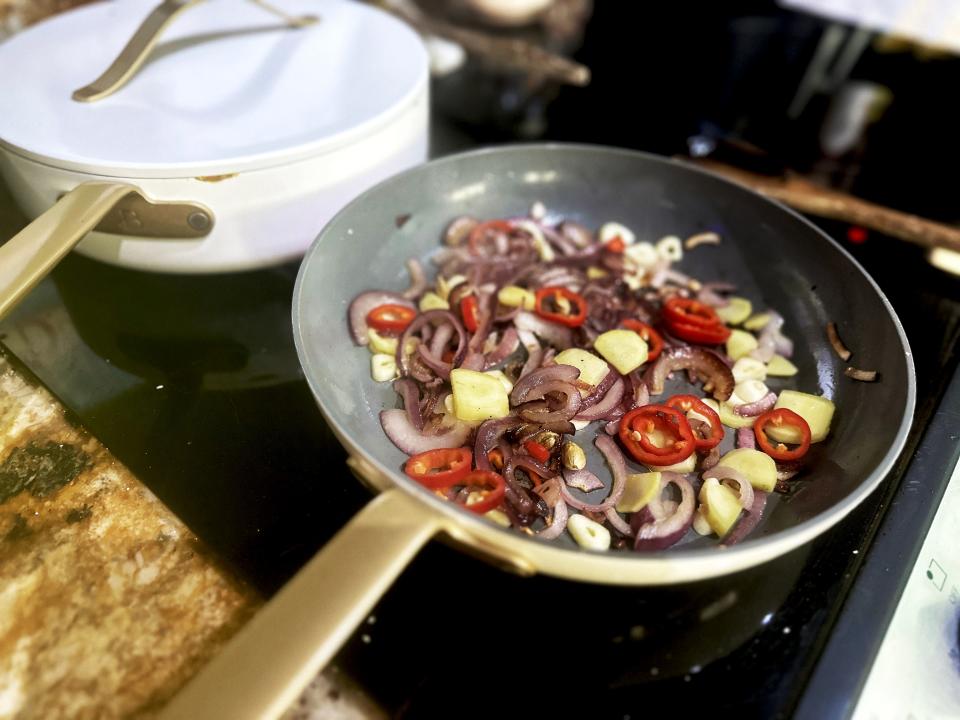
[193, 382]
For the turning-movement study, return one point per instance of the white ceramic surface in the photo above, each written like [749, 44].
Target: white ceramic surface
[229, 87]
[262, 217]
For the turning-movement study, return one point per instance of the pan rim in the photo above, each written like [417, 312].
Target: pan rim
[469, 527]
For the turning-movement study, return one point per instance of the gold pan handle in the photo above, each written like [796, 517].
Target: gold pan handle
[135, 52]
[262, 671]
[29, 255]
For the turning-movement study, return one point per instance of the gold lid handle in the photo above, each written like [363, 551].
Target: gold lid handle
[135, 52]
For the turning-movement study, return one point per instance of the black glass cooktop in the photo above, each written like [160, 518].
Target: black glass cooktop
[193, 382]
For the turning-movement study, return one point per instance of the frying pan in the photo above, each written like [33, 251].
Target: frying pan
[774, 256]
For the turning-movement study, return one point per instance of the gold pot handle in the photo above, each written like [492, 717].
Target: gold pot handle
[263, 670]
[137, 49]
[29, 255]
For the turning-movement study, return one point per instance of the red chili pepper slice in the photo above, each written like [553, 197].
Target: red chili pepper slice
[780, 417]
[616, 245]
[537, 451]
[714, 335]
[548, 306]
[470, 311]
[686, 403]
[481, 231]
[690, 312]
[438, 469]
[491, 485]
[391, 318]
[651, 336]
[643, 421]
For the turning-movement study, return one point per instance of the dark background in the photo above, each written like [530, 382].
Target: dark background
[665, 71]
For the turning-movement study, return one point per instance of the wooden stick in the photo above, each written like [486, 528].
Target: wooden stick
[812, 199]
[501, 52]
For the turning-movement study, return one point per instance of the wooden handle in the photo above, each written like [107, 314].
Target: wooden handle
[812, 199]
[506, 53]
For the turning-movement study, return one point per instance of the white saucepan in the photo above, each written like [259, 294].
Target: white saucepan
[224, 145]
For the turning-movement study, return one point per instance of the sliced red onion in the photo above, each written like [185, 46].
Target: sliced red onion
[534, 352]
[617, 465]
[526, 462]
[488, 437]
[561, 427]
[711, 458]
[615, 414]
[406, 436]
[563, 276]
[576, 233]
[582, 479]
[440, 338]
[668, 524]
[504, 314]
[458, 230]
[410, 392]
[709, 297]
[641, 394]
[361, 306]
[612, 428]
[758, 407]
[771, 340]
[599, 391]
[431, 317]
[515, 493]
[719, 377]
[505, 348]
[606, 406]
[434, 402]
[748, 520]
[720, 286]
[550, 492]
[678, 278]
[557, 335]
[451, 260]
[672, 340]
[529, 383]
[787, 471]
[746, 438]
[535, 408]
[727, 474]
[658, 275]
[484, 322]
[783, 345]
[722, 356]
[473, 361]
[562, 243]
[459, 291]
[418, 280]
[419, 371]
[588, 256]
[617, 522]
[441, 368]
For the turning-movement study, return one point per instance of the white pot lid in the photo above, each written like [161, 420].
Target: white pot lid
[259, 95]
